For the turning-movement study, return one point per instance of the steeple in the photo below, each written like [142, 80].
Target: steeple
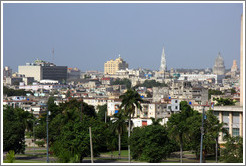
[163, 66]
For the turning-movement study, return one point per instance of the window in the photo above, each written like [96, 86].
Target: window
[226, 117]
[224, 133]
[235, 132]
[235, 117]
[216, 113]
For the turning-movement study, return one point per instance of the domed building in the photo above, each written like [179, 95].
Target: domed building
[219, 67]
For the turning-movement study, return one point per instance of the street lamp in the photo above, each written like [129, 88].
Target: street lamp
[47, 127]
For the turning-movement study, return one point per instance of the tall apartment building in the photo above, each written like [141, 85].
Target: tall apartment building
[43, 70]
[112, 66]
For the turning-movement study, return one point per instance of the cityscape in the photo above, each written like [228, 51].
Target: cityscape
[126, 112]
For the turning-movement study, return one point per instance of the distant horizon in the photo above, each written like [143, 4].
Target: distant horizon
[86, 35]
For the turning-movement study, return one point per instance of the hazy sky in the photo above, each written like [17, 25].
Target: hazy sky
[88, 35]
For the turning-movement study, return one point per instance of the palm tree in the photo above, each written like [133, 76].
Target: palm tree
[119, 125]
[130, 100]
[156, 121]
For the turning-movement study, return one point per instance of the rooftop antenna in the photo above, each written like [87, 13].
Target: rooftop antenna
[53, 55]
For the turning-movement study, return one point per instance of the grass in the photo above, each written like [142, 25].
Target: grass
[40, 151]
[124, 153]
[27, 161]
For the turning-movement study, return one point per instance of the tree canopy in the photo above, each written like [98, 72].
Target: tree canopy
[12, 92]
[151, 143]
[151, 84]
[123, 81]
[15, 122]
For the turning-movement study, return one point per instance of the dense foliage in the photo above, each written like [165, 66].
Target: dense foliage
[223, 102]
[233, 151]
[214, 92]
[124, 81]
[15, 122]
[12, 92]
[151, 84]
[151, 143]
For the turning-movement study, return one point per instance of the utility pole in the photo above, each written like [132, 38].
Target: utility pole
[202, 133]
[33, 137]
[91, 145]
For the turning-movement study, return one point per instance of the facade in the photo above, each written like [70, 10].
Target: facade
[73, 73]
[241, 63]
[7, 71]
[163, 66]
[234, 67]
[201, 77]
[112, 66]
[232, 116]
[219, 67]
[43, 70]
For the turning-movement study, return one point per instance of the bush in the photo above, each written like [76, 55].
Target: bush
[10, 156]
[40, 143]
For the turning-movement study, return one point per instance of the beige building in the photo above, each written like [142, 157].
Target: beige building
[232, 116]
[112, 66]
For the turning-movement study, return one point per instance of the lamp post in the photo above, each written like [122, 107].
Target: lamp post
[47, 130]
[202, 133]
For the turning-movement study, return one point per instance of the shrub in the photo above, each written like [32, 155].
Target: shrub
[10, 156]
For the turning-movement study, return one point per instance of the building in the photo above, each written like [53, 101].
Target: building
[7, 71]
[163, 66]
[112, 66]
[219, 67]
[241, 63]
[73, 73]
[232, 116]
[201, 77]
[234, 67]
[44, 70]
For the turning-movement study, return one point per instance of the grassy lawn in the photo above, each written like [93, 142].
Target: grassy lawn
[39, 151]
[27, 161]
[124, 153]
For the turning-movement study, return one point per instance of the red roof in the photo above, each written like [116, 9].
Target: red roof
[105, 78]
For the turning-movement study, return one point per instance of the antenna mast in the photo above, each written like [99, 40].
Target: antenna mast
[53, 55]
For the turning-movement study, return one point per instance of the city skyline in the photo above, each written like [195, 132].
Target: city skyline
[88, 35]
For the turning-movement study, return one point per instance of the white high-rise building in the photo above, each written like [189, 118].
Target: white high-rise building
[163, 66]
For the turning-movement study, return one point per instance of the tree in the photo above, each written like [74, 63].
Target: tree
[211, 133]
[214, 92]
[119, 126]
[233, 151]
[177, 125]
[130, 100]
[102, 111]
[14, 129]
[156, 122]
[151, 84]
[73, 143]
[12, 92]
[124, 81]
[151, 143]
[223, 102]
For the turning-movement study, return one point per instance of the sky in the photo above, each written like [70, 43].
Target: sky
[87, 35]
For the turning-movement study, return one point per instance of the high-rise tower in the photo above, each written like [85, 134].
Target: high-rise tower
[219, 67]
[241, 63]
[163, 66]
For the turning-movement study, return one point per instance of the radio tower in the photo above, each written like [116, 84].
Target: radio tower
[53, 55]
